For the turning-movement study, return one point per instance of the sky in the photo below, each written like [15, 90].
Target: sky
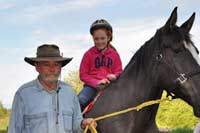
[26, 24]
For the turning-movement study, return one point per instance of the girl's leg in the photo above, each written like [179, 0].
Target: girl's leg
[86, 95]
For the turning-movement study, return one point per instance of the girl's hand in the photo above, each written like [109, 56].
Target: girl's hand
[104, 81]
[102, 84]
[111, 77]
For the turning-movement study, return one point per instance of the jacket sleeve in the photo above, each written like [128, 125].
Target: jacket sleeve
[84, 71]
[77, 116]
[117, 65]
[16, 123]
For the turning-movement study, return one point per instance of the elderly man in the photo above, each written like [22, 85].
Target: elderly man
[46, 104]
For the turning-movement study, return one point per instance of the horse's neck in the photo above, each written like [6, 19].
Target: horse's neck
[131, 89]
[140, 77]
[140, 85]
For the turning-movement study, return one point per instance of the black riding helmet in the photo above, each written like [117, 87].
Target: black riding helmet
[100, 23]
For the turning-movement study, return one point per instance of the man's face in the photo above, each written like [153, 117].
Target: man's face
[49, 71]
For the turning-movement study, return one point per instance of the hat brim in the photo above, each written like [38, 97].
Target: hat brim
[31, 60]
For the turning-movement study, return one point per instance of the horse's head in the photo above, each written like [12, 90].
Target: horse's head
[178, 61]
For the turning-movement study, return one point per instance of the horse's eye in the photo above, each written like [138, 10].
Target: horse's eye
[159, 57]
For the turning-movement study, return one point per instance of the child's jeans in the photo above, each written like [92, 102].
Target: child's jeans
[86, 95]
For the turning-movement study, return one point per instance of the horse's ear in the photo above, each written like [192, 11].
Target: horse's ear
[172, 19]
[188, 24]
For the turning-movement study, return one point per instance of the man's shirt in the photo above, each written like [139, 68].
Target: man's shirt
[36, 110]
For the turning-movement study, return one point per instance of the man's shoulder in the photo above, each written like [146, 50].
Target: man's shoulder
[27, 86]
[63, 84]
[66, 86]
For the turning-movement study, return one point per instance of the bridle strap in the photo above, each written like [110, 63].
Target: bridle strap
[182, 77]
[191, 74]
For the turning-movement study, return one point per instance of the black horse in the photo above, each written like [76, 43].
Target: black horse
[169, 61]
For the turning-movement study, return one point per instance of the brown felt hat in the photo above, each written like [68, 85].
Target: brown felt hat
[48, 52]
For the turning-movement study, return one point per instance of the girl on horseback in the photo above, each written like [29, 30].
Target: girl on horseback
[101, 64]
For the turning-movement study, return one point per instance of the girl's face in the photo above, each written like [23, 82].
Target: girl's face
[100, 38]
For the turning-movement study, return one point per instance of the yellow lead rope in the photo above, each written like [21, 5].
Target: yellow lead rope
[137, 108]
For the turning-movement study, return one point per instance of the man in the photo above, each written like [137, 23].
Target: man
[46, 104]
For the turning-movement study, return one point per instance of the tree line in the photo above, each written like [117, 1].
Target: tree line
[3, 111]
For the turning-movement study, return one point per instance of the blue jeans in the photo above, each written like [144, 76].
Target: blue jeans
[86, 95]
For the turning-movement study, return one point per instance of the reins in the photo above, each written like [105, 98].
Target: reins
[92, 129]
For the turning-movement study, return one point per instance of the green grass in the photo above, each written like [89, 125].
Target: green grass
[181, 130]
[2, 131]
[4, 123]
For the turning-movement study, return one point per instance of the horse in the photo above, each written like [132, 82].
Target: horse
[168, 61]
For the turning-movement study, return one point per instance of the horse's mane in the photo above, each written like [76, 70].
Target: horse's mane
[137, 60]
[146, 49]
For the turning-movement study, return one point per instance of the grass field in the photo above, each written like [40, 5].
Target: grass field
[4, 123]
[181, 130]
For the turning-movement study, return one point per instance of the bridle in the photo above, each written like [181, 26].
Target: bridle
[182, 77]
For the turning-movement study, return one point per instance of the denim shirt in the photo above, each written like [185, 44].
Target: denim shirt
[36, 110]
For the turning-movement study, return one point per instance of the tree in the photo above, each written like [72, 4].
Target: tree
[73, 79]
[3, 111]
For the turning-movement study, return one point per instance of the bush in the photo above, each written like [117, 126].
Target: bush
[3, 111]
[176, 114]
[73, 79]
[4, 117]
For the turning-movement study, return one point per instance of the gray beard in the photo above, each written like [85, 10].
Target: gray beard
[44, 78]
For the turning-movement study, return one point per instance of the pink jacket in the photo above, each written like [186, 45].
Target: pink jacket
[96, 66]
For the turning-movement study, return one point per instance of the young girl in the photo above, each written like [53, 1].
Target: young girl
[101, 64]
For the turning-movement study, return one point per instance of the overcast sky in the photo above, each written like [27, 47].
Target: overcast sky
[24, 25]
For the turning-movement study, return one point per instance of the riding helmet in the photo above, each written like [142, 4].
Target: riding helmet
[100, 23]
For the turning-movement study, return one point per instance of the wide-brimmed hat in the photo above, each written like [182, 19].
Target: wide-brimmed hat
[48, 52]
